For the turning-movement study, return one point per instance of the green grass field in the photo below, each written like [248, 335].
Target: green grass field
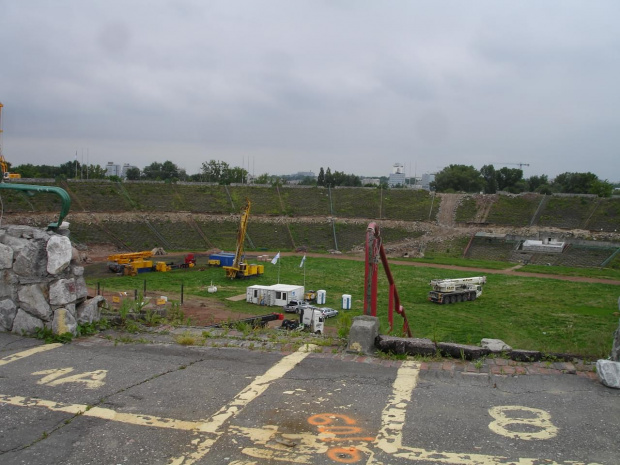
[543, 314]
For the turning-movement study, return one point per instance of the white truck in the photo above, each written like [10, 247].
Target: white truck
[312, 319]
[449, 291]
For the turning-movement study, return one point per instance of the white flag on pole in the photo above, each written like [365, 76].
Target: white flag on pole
[303, 260]
[275, 259]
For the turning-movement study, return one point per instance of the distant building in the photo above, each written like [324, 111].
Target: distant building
[397, 176]
[371, 181]
[112, 169]
[127, 167]
[427, 178]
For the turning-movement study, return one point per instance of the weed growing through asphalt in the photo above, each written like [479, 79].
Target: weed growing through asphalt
[185, 339]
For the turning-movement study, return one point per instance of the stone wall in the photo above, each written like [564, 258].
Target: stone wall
[41, 285]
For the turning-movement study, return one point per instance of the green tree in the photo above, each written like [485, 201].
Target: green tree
[582, 183]
[153, 172]
[508, 179]
[458, 178]
[264, 178]
[490, 179]
[320, 180]
[534, 182]
[133, 174]
[329, 178]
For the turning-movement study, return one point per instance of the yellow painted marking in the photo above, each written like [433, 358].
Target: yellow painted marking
[260, 384]
[103, 413]
[90, 379]
[389, 438]
[52, 374]
[541, 420]
[28, 353]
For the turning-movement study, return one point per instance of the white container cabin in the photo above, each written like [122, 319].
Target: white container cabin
[276, 295]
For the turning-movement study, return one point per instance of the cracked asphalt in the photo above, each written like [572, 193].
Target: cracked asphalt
[95, 401]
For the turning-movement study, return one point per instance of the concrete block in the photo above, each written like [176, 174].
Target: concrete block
[462, 350]
[520, 355]
[409, 346]
[362, 335]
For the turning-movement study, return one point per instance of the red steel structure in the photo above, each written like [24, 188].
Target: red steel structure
[374, 251]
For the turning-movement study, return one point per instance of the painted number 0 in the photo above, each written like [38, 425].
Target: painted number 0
[514, 421]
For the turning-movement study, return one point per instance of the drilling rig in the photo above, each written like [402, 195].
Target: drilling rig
[239, 269]
[3, 163]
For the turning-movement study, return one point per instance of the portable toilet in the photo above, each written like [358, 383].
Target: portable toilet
[346, 301]
[321, 297]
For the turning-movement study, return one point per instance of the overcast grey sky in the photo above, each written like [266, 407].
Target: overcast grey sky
[281, 86]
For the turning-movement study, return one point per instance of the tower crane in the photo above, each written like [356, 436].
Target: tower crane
[520, 165]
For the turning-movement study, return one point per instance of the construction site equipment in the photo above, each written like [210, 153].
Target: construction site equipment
[133, 263]
[117, 262]
[449, 291]
[374, 252]
[238, 269]
[274, 295]
[5, 170]
[310, 296]
[3, 163]
[221, 259]
[312, 319]
[189, 261]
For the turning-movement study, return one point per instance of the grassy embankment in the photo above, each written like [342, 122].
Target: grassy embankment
[529, 313]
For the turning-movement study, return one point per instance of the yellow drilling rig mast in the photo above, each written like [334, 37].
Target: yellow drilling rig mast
[3, 163]
[239, 269]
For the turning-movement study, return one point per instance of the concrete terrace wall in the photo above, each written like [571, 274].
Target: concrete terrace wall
[40, 285]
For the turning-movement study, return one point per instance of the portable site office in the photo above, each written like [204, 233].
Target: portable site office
[275, 295]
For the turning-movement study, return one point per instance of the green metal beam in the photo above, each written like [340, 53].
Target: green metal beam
[32, 189]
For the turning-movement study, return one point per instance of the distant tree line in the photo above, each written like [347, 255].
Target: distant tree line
[71, 169]
[462, 178]
[328, 179]
[453, 178]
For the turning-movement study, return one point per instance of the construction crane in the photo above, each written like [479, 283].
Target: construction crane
[520, 165]
[374, 252]
[4, 165]
[449, 291]
[238, 269]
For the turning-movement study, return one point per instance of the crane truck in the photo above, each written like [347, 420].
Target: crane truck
[449, 291]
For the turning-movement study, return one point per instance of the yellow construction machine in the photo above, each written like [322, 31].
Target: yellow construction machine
[238, 269]
[133, 261]
[3, 163]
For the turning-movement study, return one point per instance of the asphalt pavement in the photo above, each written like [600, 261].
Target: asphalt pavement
[97, 401]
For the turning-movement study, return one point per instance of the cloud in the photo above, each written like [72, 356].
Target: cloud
[353, 85]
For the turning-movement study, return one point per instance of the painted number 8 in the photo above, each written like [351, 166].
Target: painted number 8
[535, 426]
